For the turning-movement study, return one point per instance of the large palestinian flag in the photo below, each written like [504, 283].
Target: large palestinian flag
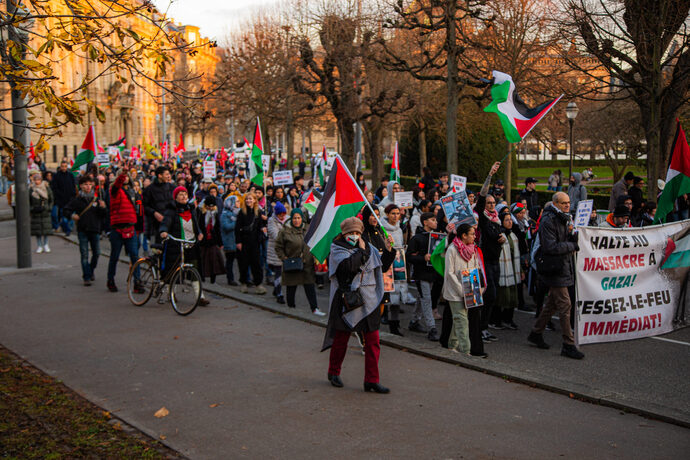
[341, 199]
[677, 177]
[516, 118]
[256, 168]
[88, 150]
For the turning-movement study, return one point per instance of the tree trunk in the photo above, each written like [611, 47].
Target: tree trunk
[347, 139]
[373, 134]
[452, 89]
[289, 139]
[422, 147]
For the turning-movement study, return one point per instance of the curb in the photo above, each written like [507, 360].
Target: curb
[574, 391]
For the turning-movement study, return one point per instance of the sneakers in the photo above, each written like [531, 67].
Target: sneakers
[479, 355]
[488, 337]
[260, 290]
[280, 299]
[244, 289]
[204, 302]
[232, 283]
[550, 326]
[411, 300]
[138, 289]
[511, 325]
[433, 335]
[111, 286]
[87, 282]
[538, 340]
[39, 250]
[498, 326]
[46, 248]
[318, 312]
[416, 327]
[570, 351]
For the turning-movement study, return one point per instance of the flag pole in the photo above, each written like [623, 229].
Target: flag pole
[362, 194]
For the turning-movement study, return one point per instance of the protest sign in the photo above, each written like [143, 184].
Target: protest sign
[265, 159]
[458, 183]
[103, 159]
[282, 177]
[584, 211]
[403, 199]
[629, 281]
[471, 286]
[457, 208]
[434, 239]
[113, 151]
[209, 169]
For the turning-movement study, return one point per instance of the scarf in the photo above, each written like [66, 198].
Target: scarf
[87, 196]
[492, 216]
[184, 212]
[509, 262]
[467, 251]
[40, 192]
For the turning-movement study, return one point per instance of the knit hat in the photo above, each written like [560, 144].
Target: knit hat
[280, 208]
[212, 186]
[516, 208]
[177, 190]
[351, 224]
[426, 216]
[296, 211]
[209, 201]
[621, 211]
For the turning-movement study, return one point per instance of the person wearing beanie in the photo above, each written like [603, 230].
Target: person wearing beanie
[212, 263]
[291, 248]
[619, 218]
[620, 188]
[356, 275]
[530, 195]
[274, 225]
[424, 273]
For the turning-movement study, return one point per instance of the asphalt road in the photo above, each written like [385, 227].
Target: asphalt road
[242, 382]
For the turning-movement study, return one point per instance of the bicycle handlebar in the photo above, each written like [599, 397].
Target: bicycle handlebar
[190, 242]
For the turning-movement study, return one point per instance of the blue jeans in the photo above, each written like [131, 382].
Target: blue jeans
[143, 241]
[59, 220]
[116, 243]
[4, 184]
[85, 239]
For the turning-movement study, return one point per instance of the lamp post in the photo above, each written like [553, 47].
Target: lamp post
[571, 111]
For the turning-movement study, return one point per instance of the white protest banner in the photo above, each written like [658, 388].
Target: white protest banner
[624, 290]
[282, 177]
[265, 159]
[403, 199]
[584, 211]
[113, 151]
[458, 183]
[209, 169]
[103, 159]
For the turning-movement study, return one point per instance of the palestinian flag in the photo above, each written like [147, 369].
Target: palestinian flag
[321, 164]
[311, 203]
[677, 177]
[341, 199]
[256, 169]
[180, 148]
[88, 150]
[677, 253]
[516, 118]
[395, 166]
[121, 142]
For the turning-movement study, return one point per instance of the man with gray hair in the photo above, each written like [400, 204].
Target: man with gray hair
[556, 268]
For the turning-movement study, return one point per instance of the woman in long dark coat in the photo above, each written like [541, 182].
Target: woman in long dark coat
[354, 265]
[249, 233]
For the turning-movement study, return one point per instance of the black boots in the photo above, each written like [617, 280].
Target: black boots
[335, 380]
[571, 352]
[433, 335]
[394, 327]
[538, 340]
[376, 387]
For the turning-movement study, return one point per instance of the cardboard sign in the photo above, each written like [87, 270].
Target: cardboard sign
[209, 169]
[103, 159]
[265, 160]
[458, 183]
[282, 177]
[403, 199]
[584, 211]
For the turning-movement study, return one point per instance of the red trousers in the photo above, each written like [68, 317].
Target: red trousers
[372, 350]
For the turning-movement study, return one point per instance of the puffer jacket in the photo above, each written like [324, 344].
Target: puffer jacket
[556, 240]
[228, 218]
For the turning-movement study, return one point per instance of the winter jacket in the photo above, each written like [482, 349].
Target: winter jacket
[40, 210]
[619, 189]
[532, 198]
[91, 220]
[214, 237]
[228, 219]
[555, 240]
[490, 233]
[290, 243]
[171, 224]
[274, 226]
[156, 198]
[64, 187]
[122, 208]
[416, 250]
[577, 192]
[248, 230]
[452, 277]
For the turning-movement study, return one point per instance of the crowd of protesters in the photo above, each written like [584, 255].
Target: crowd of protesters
[521, 248]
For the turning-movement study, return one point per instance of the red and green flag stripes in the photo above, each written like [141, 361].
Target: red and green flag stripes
[256, 169]
[395, 165]
[88, 150]
[311, 203]
[516, 118]
[677, 177]
[341, 199]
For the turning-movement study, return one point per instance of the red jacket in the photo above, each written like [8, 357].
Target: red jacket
[122, 212]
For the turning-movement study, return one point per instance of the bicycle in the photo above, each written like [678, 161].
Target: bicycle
[184, 282]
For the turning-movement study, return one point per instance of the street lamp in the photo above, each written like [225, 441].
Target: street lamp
[571, 111]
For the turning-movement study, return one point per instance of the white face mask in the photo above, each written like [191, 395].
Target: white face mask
[352, 239]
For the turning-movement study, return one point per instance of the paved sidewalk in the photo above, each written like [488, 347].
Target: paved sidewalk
[242, 382]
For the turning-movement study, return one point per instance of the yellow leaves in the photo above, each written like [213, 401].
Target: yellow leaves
[100, 114]
[162, 412]
[41, 146]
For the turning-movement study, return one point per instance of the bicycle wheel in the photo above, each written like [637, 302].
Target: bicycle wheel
[185, 290]
[140, 293]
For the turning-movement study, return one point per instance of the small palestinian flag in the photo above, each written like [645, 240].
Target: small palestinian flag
[321, 164]
[88, 150]
[395, 166]
[180, 148]
[677, 177]
[516, 118]
[311, 203]
[256, 169]
[341, 199]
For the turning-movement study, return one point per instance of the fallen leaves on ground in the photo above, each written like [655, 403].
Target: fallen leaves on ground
[162, 412]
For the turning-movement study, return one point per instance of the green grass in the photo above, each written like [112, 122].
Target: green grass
[600, 172]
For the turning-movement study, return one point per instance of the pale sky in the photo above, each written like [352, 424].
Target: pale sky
[215, 17]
